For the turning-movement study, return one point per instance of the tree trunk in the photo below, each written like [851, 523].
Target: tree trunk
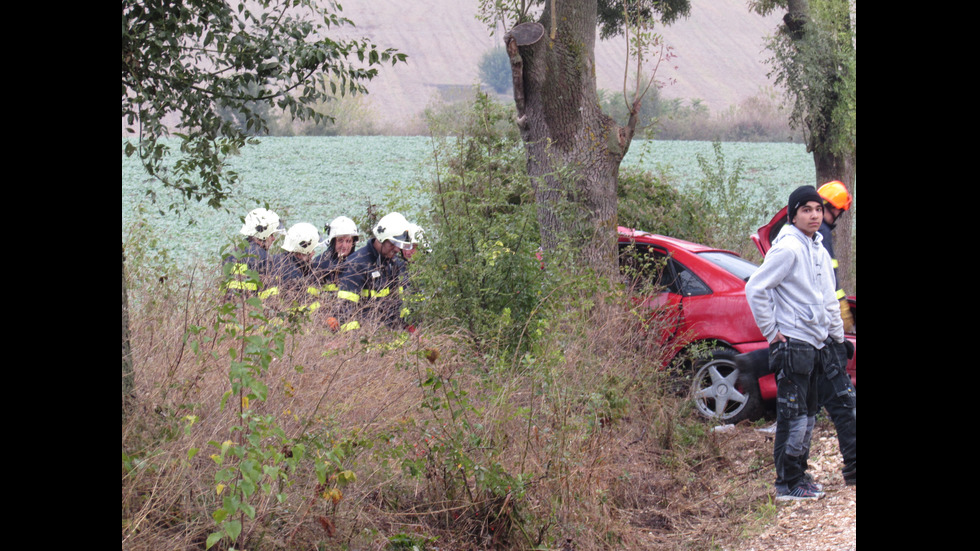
[573, 148]
[127, 357]
[842, 168]
[829, 161]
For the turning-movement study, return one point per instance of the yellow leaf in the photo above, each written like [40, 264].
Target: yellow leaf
[220, 488]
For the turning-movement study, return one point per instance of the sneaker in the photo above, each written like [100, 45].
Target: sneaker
[811, 484]
[771, 429]
[800, 492]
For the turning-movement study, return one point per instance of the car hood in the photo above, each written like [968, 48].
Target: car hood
[763, 236]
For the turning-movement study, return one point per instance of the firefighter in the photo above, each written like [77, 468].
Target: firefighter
[836, 200]
[295, 273]
[341, 240]
[370, 279]
[835, 393]
[260, 228]
[415, 234]
[410, 295]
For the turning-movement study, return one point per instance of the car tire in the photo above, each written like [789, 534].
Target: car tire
[720, 393]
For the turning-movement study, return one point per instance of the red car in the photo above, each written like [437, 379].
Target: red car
[703, 303]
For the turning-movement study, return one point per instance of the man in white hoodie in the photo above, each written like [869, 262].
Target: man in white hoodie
[793, 300]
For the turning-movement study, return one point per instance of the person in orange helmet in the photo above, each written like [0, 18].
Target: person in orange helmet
[836, 200]
[835, 393]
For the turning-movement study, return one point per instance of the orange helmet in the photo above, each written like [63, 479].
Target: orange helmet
[836, 194]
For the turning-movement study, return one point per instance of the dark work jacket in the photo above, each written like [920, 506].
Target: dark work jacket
[295, 277]
[369, 289]
[328, 267]
[828, 243]
[250, 257]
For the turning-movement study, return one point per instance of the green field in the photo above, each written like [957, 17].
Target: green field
[314, 179]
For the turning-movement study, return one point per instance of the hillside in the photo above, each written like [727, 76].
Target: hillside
[720, 52]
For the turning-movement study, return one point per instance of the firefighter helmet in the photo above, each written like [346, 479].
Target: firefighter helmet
[836, 194]
[393, 227]
[341, 225]
[417, 236]
[301, 238]
[260, 223]
[414, 233]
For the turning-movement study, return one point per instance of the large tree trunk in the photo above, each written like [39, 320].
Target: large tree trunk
[842, 168]
[573, 148]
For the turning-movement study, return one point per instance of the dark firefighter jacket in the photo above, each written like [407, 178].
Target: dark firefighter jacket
[369, 289]
[328, 267]
[298, 281]
[828, 243]
[251, 257]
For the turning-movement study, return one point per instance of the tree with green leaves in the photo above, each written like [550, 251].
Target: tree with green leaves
[574, 149]
[814, 59]
[186, 64]
[187, 60]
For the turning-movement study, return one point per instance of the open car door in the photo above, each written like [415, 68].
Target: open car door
[763, 236]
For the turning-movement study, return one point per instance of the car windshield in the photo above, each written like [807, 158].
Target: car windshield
[732, 263]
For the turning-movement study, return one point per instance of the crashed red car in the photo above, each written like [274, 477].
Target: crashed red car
[703, 299]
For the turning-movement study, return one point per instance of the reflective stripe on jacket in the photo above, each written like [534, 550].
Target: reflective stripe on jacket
[253, 257]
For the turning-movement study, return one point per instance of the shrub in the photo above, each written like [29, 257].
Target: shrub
[716, 209]
[483, 276]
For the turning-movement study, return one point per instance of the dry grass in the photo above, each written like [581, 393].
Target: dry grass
[579, 449]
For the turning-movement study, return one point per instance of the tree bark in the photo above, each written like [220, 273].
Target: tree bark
[842, 168]
[573, 149]
[127, 357]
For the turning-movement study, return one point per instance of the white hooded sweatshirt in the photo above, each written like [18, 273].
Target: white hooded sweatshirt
[793, 291]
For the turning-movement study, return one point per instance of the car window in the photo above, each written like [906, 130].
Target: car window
[689, 283]
[731, 263]
[644, 265]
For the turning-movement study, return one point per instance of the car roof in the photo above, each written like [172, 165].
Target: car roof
[673, 242]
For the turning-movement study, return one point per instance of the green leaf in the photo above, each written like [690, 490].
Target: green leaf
[248, 488]
[233, 528]
[213, 538]
[249, 510]
[260, 389]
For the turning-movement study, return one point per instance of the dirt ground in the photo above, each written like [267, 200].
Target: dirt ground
[828, 524]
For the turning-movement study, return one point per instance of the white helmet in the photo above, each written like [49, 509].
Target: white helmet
[260, 223]
[393, 227]
[417, 235]
[301, 238]
[414, 231]
[341, 225]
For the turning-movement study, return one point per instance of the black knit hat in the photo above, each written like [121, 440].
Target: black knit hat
[801, 196]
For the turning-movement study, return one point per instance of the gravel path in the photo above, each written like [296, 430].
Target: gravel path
[828, 524]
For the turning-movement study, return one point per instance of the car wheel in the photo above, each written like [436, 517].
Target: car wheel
[720, 394]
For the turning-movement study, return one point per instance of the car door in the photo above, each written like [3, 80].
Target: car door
[763, 236]
[654, 285]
